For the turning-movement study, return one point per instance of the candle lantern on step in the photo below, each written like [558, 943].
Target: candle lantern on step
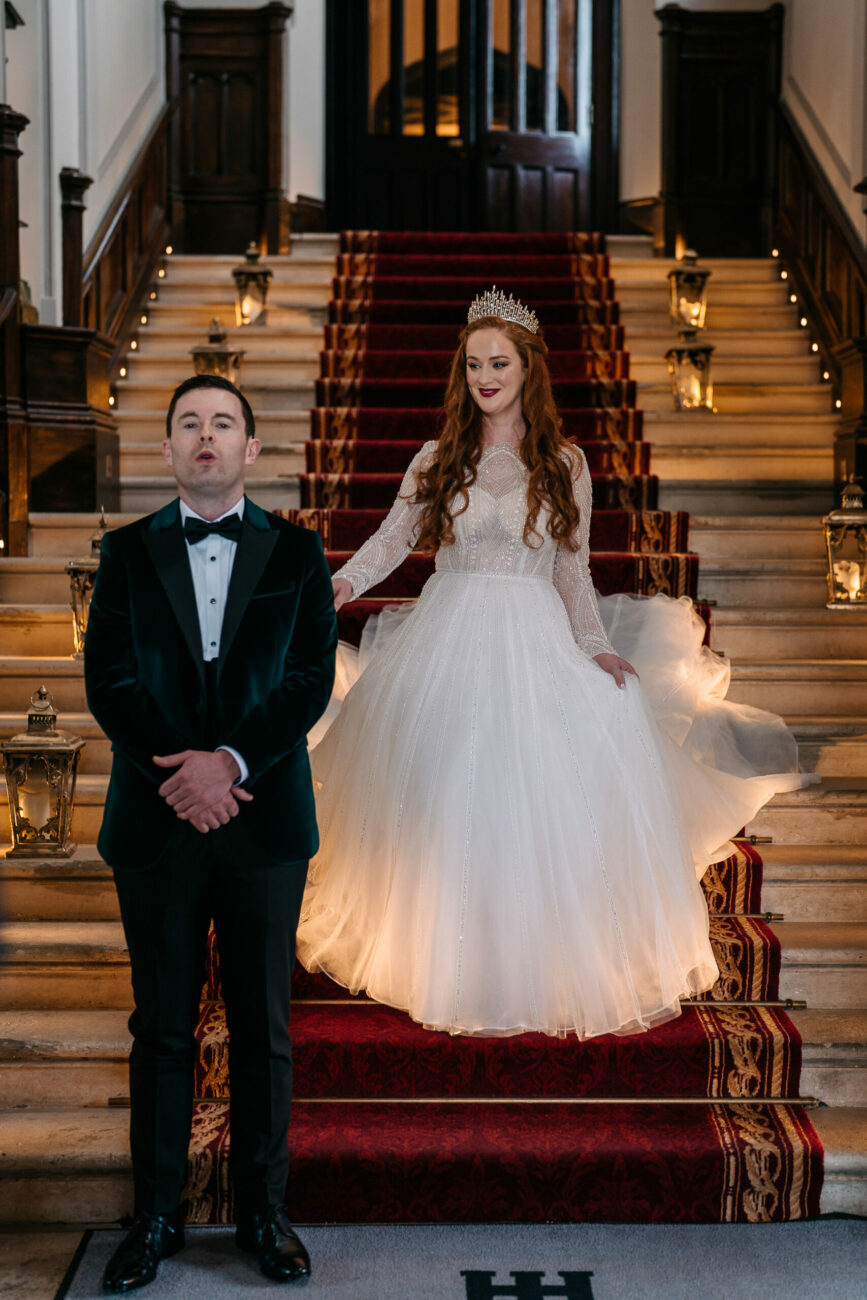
[82, 573]
[217, 357]
[689, 368]
[846, 549]
[41, 765]
[688, 293]
[252, 279]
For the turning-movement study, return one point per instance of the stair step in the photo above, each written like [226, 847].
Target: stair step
[747, 429]
[21, 676]
[73, 1166]
[721, 460]
[218, 297]
[737, 339]
[728, 366]
[257, 370]
[724, 270]
[56, 535]
[194, 314]
[824, 962]
[650, 312]
[730, 537]
[813, 882]
[831, 746]
[765, 583]
[744, 497]
[146, 493]
[751, 633]
[281, 395]
[175, 340]
[791, 686]
[216, 272]
[67, 1059]
[735, 398]
[145, 459]
[271, 426]
[832, 812]
[78, 888]
[749, 297]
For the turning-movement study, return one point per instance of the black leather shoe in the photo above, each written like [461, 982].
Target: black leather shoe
[151, 1238]
[272, 1239]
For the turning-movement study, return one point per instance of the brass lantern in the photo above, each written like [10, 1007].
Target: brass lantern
[251, 288]
[689, 368]
[688, 293]
[846, 549]
[41, 766]
[217, 357]
[82, 573]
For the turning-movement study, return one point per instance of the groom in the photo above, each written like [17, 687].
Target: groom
[210, 654]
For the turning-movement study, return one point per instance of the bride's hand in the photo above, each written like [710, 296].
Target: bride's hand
[342, 592]
[617, 667]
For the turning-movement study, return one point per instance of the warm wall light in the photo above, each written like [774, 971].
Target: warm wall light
[133, 343]
[846, 550]
[216, 357]
[775, 252]
[122, 372]
[144, 320]
[784, 275]
[814, 347]
[169, 250]
[161, 273]
[41, 766]
[252, 280]
[688, 293]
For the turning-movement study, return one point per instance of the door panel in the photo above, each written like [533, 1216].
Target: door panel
[461, 114]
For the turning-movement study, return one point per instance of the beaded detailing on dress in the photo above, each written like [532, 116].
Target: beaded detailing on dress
[489, 538]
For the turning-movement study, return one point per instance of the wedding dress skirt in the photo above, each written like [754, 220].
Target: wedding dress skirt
[510, 842]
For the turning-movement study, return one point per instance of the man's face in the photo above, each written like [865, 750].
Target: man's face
[209, 449]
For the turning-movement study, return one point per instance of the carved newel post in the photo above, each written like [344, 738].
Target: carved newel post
[73, 184]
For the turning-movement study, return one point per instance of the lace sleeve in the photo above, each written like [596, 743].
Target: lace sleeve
[572, 572]
[395, 536]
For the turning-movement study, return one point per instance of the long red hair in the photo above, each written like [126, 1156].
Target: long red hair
[443, 486]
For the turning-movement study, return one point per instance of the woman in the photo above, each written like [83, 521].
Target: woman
[505, 835]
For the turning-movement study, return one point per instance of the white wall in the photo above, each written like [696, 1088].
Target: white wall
[89, 75]
[824, 85]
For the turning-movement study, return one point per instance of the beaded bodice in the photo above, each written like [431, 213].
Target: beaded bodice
[489, 538]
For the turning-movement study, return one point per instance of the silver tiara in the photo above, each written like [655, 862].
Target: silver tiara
[496, 304]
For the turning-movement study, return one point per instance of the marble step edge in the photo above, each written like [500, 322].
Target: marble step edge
[90, 1147]
[34, 943]
[50, 1035]
[741, 451]
[696, 419]
[157, 415]
[746, 389]
[797, 862]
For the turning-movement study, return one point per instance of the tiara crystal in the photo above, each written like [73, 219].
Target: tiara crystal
[492, 303]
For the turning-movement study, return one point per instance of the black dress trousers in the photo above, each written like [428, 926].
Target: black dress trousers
[166, 911]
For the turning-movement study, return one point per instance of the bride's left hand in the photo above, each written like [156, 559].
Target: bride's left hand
[617, 667]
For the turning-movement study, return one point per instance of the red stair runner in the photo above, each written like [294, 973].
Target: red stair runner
[694, 1121]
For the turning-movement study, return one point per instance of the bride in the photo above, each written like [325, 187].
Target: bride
[511, 821]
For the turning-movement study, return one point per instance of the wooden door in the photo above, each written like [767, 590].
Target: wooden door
[471, 114]
[534, 115]
[224, 72]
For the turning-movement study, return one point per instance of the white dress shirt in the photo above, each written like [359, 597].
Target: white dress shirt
[211, 562]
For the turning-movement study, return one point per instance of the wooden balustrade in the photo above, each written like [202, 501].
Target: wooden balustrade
[827, 266]
[122, 257]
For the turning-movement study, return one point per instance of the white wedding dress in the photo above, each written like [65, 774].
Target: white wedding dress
[509, 842]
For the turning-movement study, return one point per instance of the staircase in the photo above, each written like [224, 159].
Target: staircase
[754, 477]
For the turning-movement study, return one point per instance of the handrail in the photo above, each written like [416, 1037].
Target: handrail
[815, 239]
[105, 231]
[7, 302]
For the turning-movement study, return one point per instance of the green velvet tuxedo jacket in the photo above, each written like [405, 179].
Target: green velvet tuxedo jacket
[145, 680]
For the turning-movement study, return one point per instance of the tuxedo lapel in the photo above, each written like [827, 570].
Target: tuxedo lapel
[164, 542]
[255, 546]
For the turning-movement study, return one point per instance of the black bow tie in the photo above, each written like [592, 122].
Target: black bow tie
[196, 530]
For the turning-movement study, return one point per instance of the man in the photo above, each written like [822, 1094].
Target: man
[210, 654]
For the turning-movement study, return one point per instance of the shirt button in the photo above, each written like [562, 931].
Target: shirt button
[213, 643]
[213, 559]
[213, 600]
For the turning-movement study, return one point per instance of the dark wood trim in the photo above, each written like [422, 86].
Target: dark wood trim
[14, 476]
[73, 185]
[276, 206]
[122, 257]
[827, 265]
[605, 128]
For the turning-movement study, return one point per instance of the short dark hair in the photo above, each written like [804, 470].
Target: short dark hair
[211, 381]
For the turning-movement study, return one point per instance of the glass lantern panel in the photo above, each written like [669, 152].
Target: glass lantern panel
[413, 67]
[501, 52]
[379, 67]
[566, 64]
[448, 67]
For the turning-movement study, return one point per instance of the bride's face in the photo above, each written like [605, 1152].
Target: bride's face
[495, 374]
